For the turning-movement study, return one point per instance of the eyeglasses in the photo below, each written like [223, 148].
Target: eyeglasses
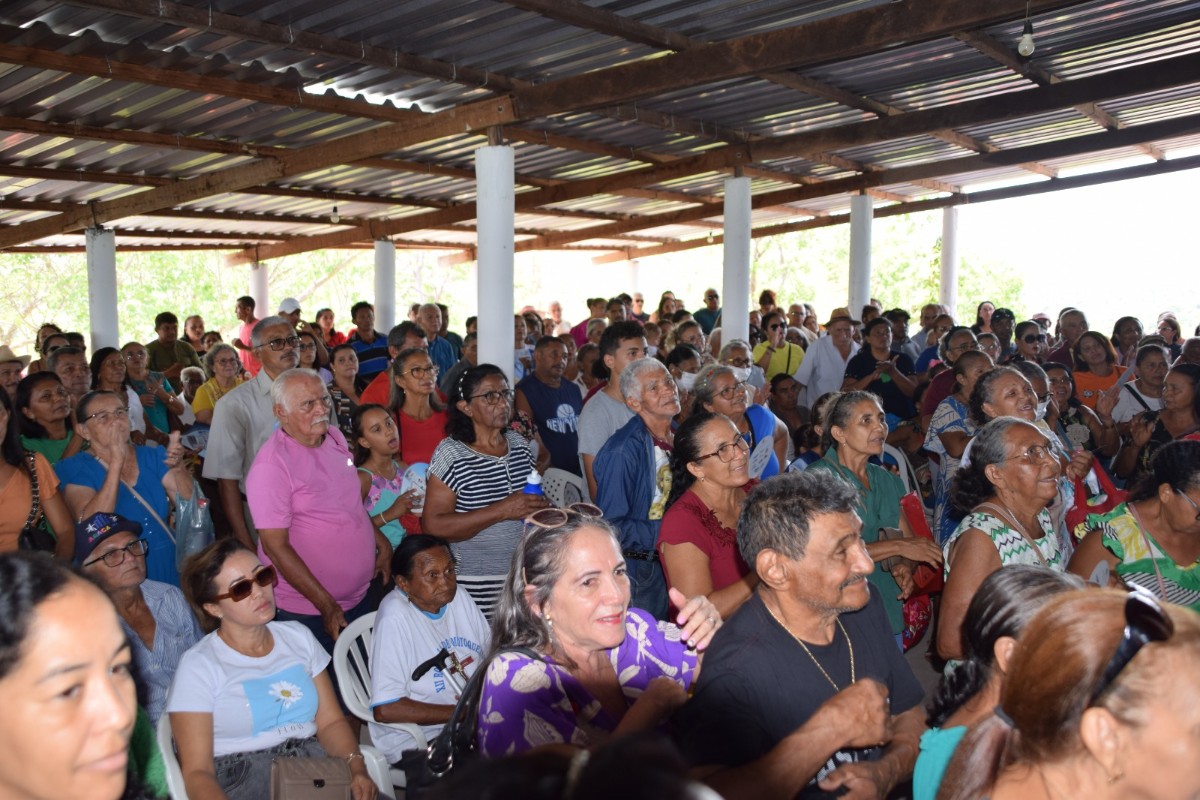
[728, 451]
[307, 347]
[739, 362]
[225, 362]
[966, 346]
[494, 398]
[1191, 502]
[551, 518]
[116, 557]
[240, 589]
[279, 344]
[1145, 622]
[136, 355]
[1035, 454]
[103, 416]
[729, 392]
[1030, 338]
[421, 372]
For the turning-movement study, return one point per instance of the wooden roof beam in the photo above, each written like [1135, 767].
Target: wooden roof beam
[1113, 84]
[837, 37]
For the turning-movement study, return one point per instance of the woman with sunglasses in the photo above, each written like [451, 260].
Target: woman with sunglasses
[1076, 424]
[155, 616]
[1152, 540]
[1031, 341]
[1004, 491]
[1178, 418]
[17, 475]
[252, 690]
[115, 476]
[854, 432]
[224, 370]
[475, 496]
[602, 669]
[718, 391]
[775, 355]
[1100, 702]
[419, 411]
[697, 542]
[43, 412]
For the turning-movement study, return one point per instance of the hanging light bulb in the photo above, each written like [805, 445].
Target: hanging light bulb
[335, 218]
[1026, 46]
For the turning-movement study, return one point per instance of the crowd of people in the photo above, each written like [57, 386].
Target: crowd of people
[763, 524]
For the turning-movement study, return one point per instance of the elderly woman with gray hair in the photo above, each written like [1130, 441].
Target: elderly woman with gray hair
[224, 370]
[589, 667]
[1004, 491]
[718, 391]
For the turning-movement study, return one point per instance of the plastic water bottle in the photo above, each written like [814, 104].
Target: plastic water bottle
[197, 535]
[533, 484]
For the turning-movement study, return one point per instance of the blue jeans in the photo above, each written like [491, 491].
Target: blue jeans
[647, 586]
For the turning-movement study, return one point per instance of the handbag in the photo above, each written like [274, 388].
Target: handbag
[928, 580]
[295, 778]
[456, 742]
[33, 535]
[1109, 498]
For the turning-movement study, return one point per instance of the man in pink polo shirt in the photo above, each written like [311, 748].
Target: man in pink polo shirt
[303, 492]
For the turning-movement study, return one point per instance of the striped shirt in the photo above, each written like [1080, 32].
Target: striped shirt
[175, 630]
[478, 481]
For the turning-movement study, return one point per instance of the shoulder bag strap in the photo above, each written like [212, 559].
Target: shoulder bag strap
[36, 507]
[150, 508]
[1162, 585]
[1137, 396]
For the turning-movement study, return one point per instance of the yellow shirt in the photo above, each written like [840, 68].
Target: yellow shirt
[209, 393]
[784, 361]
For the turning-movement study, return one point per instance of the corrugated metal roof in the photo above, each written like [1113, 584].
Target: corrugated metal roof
[134, 101]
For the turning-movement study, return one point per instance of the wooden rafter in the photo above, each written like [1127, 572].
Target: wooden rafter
[856, 32]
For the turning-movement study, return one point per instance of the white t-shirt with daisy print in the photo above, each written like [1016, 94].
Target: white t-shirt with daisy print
[256, 703]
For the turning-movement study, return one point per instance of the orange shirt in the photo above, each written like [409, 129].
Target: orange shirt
[1088, 385]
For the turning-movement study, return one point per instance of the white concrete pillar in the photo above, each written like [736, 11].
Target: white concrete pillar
[385, 285]
[633, 277]
[948, 289]
[259, 291]
[101, 247]
[861, 217]
[735, 279]
[495, 226]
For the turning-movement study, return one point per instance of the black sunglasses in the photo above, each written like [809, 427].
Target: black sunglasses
[1145, 622]
[1030, 338]
[240, 589]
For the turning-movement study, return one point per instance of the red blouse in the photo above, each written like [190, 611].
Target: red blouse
[689, 521]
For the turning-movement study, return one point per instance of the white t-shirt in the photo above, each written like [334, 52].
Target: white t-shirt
[255, 703]
[1128, 406]
[405, 637]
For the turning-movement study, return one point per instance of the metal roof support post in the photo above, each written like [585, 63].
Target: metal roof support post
[101, 246]
[861, 210]
[735, 281]
[259, 291]
[495, 229]
[948, 290]
[385, 285]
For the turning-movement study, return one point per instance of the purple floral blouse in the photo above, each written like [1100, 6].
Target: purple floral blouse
[529, 703]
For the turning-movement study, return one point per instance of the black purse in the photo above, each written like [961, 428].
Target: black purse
[456, 743]
[34, 535]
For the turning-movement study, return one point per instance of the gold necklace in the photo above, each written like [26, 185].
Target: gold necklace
[800, 642]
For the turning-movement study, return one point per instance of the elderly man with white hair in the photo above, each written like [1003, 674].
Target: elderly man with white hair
[633, 477]
[304, 493]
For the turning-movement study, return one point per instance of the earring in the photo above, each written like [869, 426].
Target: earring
[1112, 779]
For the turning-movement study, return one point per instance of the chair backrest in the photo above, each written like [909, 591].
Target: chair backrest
[351, 652]
[907, 475]
[166, 744]
[562, 488]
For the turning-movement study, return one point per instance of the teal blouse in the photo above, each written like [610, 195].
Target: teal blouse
[937, 748]
[878, 508]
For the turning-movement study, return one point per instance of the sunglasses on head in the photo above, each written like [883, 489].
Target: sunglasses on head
[551, 518]
[1145, 622]
[240, 589]
[1030, 338]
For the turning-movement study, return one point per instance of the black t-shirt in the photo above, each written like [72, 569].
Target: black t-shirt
[758, 686]
[895, 401]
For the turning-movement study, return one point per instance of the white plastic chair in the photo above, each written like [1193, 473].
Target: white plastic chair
[376, 763]
[907, 474]
[562, 488]
[351, 652]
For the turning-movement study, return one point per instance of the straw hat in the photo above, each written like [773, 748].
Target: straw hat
[7, 356]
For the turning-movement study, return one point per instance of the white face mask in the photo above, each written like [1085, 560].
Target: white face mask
[741, 373]
[651, 350]
[686, 380]
[1042, 408]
